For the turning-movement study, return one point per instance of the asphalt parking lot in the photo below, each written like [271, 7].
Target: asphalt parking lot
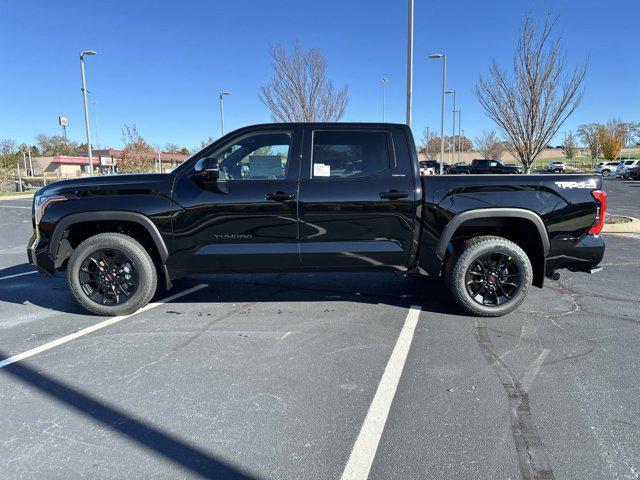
[320, 376]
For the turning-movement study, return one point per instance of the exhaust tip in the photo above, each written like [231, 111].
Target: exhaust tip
[554, 275]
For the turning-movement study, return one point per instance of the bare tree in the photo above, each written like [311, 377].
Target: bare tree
[171, 148]
[205, 143]
[428, 137]
[590, 135]
[490, 146]
[8, 147]
[299, 90]
[531, 104]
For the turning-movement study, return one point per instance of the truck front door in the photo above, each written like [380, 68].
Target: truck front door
[358, 201]
[247, 219]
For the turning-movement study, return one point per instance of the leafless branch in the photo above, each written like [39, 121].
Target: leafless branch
[299, 90]
[530, 105]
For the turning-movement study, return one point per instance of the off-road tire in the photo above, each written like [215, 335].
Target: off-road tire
[456, 270]
[146, 270]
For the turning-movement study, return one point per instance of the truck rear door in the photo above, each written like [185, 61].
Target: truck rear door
[357, 198]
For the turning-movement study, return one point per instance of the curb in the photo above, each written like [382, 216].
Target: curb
[15, 197]
[632, 227]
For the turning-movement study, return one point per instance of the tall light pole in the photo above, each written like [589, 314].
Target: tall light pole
[452, 149]
[222, 94]
[86, 108]
[444, 89]
[460, 133]
[384, 83]
[95, 121]
[426, 136]
[409, 62]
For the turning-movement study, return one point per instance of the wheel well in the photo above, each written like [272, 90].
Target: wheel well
[78, 232]
[521, 231]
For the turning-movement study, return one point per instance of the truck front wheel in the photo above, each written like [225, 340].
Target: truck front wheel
[111, 274]
[490, 276]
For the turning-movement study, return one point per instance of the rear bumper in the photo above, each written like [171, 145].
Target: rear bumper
[38, 254]
[583, 256]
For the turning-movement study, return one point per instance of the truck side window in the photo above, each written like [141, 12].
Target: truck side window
[257, 156]
[349, 154]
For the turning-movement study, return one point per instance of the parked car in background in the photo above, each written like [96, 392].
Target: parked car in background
[556, 166]
[624, 166]
[484, 167]
[606, 168]
[634, 173]
[432, 167]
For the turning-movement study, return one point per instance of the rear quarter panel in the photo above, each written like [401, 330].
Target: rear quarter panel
[564, 202]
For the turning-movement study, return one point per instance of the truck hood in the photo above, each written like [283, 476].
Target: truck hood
[79, 186]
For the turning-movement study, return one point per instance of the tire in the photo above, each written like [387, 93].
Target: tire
[140, 264]
[458, 272]
[606, 173]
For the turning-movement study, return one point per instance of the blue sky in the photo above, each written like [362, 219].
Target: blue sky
[160, 64]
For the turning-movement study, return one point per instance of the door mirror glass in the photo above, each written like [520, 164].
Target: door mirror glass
[207, 168]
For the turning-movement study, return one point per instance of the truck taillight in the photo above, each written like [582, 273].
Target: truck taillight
[601, 211]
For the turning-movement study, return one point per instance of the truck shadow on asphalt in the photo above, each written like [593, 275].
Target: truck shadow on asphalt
[367, 287]
[179, 452]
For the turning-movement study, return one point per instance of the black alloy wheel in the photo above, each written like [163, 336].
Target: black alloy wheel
[493, 279]
[108, 277]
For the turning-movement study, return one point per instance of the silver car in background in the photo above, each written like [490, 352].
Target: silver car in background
[606, 168]
[622, 170]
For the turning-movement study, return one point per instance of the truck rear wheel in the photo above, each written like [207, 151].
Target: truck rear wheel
[111, 274]
[490, 277]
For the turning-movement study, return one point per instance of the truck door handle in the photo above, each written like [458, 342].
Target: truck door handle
[393, 194]
[280, 196]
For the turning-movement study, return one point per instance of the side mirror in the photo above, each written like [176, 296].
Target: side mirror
[207, 169]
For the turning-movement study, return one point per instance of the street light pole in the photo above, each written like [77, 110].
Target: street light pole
[384, 83]
[409, 62]
[95, 122]
[460, 133]
[222, 112]
[452, 148]
[86, 108]
[444, 89]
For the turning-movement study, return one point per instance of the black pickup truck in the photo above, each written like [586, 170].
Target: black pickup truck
[315, 197]
[485, 167]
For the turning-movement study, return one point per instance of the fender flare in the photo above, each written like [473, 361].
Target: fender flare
[138, 218]
[462, 217]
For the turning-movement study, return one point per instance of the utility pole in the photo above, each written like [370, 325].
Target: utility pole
[384, 83]
[443, 56]
[409, 62]
[452, 148]
[95, 121]
[222, 112]
[426, 136]
[460, 133]
[30, 164]
[86, 108]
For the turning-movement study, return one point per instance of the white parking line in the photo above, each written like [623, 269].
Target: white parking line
[364, 450]
[13, 206]
[18, 275]
[93, 328]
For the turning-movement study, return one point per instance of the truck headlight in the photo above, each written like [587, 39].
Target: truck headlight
[42, 202]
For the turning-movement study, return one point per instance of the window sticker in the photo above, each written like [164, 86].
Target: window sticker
[321, 170]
